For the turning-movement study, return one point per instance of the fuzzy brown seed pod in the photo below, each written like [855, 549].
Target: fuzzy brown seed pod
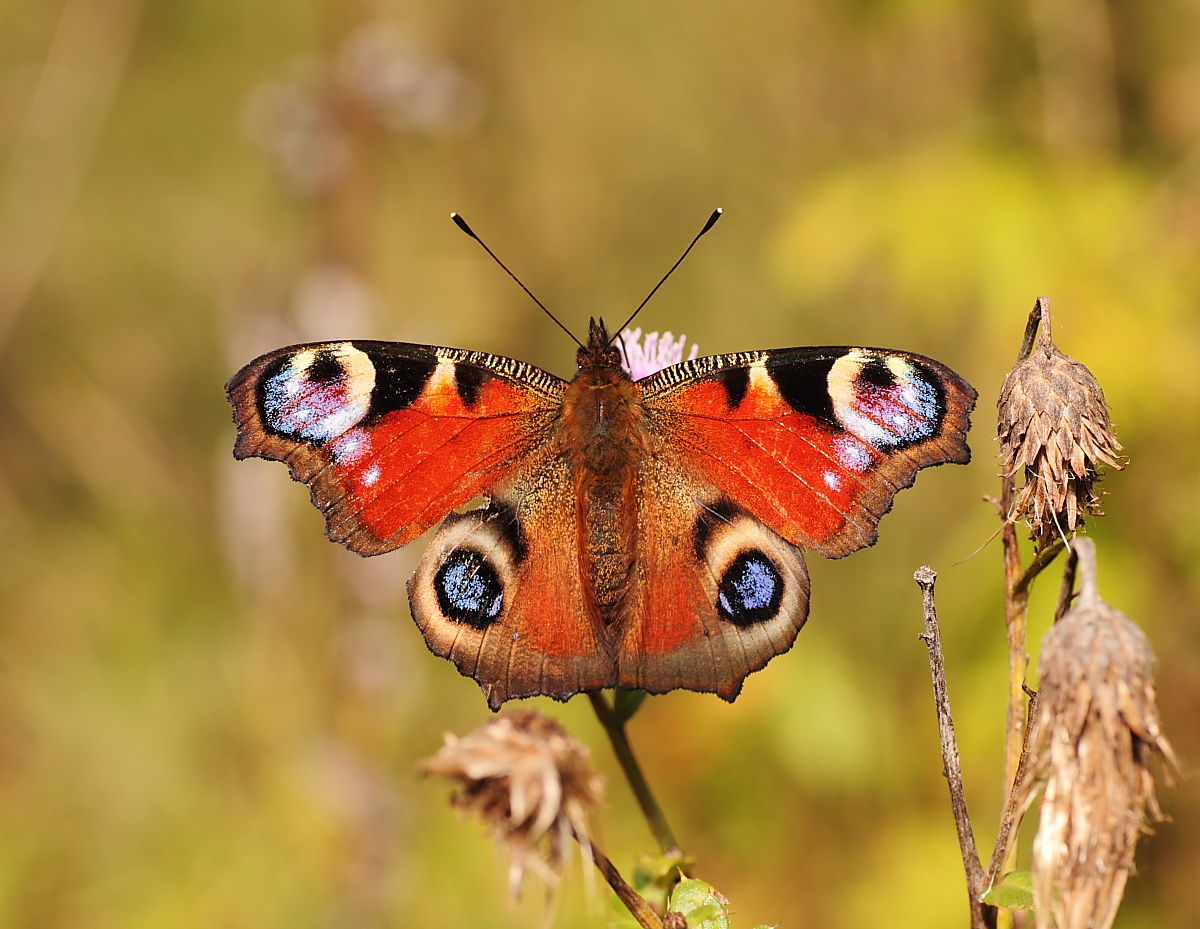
[531, 781]
[1053, 424]
[1095, 732]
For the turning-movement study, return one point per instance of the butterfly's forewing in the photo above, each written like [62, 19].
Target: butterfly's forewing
[814, 442]
[391, 436]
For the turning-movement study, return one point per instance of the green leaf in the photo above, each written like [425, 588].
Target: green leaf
[1015, 891]
[701, 904]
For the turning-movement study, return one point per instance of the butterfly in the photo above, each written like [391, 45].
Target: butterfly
[639, 534]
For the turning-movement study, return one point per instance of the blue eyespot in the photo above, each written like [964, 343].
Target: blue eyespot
[751, 589]
[468, 589]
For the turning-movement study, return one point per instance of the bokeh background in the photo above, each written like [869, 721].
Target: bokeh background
[210, 716]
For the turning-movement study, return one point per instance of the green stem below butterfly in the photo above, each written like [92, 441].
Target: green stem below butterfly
[614, 726]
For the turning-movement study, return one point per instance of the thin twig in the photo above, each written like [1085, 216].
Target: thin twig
[1066, 593]
[1016, 604]
[615, 728]
[1017, 584]
[982, 916]
[1040, 562]
[1010, 819]
[634, 902]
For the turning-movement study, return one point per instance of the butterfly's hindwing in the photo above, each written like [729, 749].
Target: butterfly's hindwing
[715, 594]
[501, 591]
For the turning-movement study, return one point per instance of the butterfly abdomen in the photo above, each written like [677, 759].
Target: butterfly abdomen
[604, 438]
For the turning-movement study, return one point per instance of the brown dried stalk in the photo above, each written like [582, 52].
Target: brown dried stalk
[982, 915]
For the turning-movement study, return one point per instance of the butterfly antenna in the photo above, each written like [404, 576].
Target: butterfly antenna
[462, 224]
[712, 221]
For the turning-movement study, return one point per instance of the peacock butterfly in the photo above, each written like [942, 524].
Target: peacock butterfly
[642, 533]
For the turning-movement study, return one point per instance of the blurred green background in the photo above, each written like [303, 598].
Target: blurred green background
[210, 716]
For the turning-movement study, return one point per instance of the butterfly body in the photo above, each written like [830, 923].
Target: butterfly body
[641, 534]
[602, 436]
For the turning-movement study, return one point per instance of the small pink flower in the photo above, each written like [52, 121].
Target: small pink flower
[655, 352]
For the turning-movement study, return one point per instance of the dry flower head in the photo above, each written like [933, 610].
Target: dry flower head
[1053, 424]
[531, 781]
[1096, 729]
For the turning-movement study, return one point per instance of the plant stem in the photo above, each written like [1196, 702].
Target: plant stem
[634, 902]
[1040, 561]
[1016, 605]
[982, 916]
[1014, 806]
[1017, 582]
[615, 727]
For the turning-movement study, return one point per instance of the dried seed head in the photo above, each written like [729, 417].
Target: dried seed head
[1053, 423]
[531, 781]
[1096, 728]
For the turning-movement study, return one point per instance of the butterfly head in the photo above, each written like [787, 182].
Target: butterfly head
[601, 350]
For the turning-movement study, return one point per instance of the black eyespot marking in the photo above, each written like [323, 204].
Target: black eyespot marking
[736, 382]
[876, 373]
[751, 590]
[398, 381]
[468, 589]
[805, 387]
[467, 381]
[709, 519]
[326, 367]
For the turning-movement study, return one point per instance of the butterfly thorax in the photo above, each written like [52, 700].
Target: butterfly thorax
[603, 437]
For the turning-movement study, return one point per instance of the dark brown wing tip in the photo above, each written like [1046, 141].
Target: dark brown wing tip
[240, 392]
[305, 464]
